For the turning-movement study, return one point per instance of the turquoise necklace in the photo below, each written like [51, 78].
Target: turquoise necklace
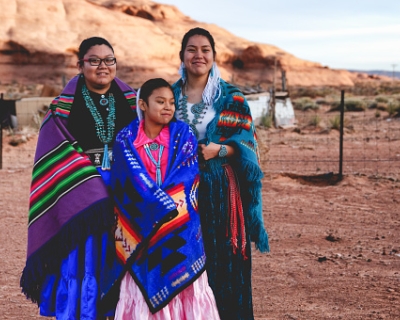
[105, 134]
[198, 109]
[154, 146]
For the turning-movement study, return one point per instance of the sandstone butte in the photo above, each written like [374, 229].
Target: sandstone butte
[39, 40]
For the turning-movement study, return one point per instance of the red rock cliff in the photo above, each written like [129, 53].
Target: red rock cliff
[39, 41]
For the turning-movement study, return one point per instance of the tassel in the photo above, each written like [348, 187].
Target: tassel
[235, 213]
[106, 159]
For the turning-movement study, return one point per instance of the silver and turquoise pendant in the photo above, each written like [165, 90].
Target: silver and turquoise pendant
[103, 100]
[153, 146]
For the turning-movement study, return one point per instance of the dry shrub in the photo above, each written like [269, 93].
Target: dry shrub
[266, 121]
[351, 104]
[393, 108]
[305, 103]
[374, 88]
[315, 120]
[334, 123]
[382, 106]
[382, 99]
[312, 92]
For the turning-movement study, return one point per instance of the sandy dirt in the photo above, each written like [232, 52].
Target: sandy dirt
[335, 247]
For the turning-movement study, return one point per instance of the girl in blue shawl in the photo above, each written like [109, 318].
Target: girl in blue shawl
[230, 176]
[159, 242]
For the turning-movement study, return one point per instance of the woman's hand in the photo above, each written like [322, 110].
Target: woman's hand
[211, 150]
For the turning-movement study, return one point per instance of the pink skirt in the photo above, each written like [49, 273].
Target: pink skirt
[196, 302]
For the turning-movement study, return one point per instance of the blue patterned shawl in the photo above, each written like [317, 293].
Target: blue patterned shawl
[158, 235]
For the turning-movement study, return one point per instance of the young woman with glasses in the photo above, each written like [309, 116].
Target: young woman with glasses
[71, 247]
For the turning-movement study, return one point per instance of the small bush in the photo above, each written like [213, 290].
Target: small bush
[349, 105]
[355, 105]
[381, 99]
[372, 104]
[304, 104]
[266, 121]
[321, 101]
[311, 92]
[374, 88]
[381, 106]
[393, 108]
[335, 122]
[314, 120]
[335, 105]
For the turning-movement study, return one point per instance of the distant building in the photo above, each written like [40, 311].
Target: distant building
[259, 104]
[284, 111]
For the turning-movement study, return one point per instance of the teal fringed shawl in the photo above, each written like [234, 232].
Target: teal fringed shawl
[233, 125]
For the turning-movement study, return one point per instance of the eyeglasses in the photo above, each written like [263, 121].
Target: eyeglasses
[97, 61]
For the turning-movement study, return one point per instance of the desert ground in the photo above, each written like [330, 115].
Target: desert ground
[335, 245]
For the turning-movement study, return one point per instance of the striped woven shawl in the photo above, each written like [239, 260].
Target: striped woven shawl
[68, 201]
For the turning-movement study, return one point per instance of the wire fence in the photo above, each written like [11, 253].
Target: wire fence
[371, 145]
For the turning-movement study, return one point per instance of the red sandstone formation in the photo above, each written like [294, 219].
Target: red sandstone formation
[39, 41]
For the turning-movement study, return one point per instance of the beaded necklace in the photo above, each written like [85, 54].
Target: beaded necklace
[104, 134]
[198, 109]
[147, 148]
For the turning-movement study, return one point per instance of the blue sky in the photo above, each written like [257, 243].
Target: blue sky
[352, 34]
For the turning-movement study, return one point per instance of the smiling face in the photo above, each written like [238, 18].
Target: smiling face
[159, 108]
[198, 56]
[98, 78]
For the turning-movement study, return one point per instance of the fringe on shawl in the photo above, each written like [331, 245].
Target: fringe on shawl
[249, 175]
[255, 221]
[47, 260]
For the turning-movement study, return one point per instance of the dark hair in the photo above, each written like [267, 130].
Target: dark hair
[196, 32]
[90, 42]
[150, 85]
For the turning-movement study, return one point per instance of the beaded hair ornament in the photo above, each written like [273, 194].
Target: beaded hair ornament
[138, 110]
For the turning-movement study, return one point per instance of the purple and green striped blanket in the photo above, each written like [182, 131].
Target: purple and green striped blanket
[68, 201]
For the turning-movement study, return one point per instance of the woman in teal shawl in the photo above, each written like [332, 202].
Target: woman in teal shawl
[230, 203]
